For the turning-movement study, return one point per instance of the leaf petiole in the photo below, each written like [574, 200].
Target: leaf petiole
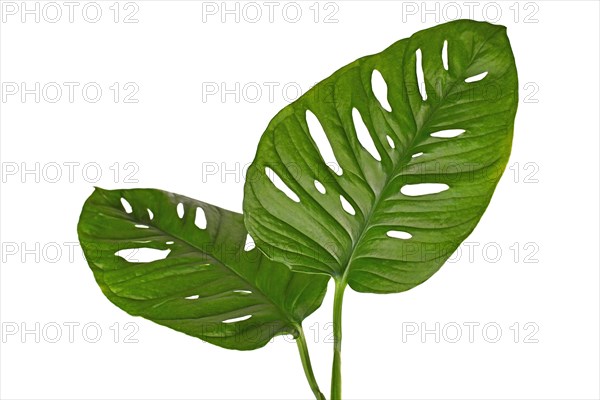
[336, 373]
[304, 356]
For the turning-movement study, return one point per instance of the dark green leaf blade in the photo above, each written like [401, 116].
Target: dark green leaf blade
[208, 285]
[352, 242]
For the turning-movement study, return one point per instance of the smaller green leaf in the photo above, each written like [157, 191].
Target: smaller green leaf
[201, 281]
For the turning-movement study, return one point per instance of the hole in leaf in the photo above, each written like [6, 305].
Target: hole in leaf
[422, 189]
[380, 89]
[417, 155]
[318, 135]
[142, 255]
[320, 187]
[180, 210]
[150, 214]
[347, 206]
[445, 55]
[126, 206]
[391, 142]
[364, 137]
[200, 218]
[170, 242]
[242, 291]
[249, 245]
[477, 77]
[399, 235]
[239, 319]
[421, 75]
[141, 226]
[448, 133]
[279, 184]
[194, 297]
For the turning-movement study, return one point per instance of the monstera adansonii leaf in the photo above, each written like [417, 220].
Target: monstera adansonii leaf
[387, 208]
[202, 281]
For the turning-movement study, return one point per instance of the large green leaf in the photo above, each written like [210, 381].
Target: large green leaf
[313, 231]
[207, 283]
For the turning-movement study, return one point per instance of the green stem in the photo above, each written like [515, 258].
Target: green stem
[304, 356]
[336, 373]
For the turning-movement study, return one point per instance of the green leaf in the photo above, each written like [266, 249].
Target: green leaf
[373, 227]
[206, 281]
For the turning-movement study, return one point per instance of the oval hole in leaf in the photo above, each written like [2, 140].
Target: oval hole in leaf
[420, 74]
[194, 297]
[417, 155]
[200, 220]
[249, 245]
[150, 214]
[422, 189]
[240, 291]
[445, 55]
[448, 133]
[380, 89]
[141, 226]
[323, 146]
[320, 187]
[476, 78]
[126, 205]
[142, 255]
[391, 142]
[347, 206]
[399, 235]
[363, 134]
[180, 210]
[279, 184]
[238, 319]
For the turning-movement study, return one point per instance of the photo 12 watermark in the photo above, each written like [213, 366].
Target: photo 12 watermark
[252, 92]
[527, 12]
[70, 92]
[30, 172]
[69, 332]
[67, 252]
[469, 332]
[252, 12]
[54, 12]
[526, 172]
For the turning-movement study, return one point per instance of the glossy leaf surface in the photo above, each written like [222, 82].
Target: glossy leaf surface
[181, 263]
[404, 175]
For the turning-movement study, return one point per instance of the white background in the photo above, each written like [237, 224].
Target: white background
[546, 203]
